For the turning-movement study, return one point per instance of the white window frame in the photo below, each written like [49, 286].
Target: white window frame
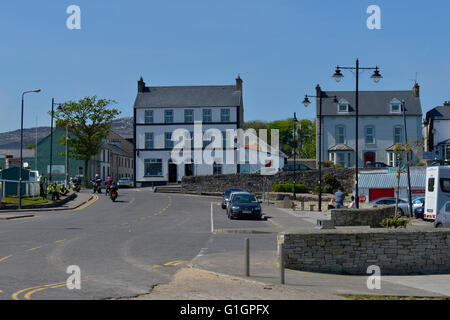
[342, 102]
[401, 134]
[205, 116]
[152, 161]
[373, 134]
[225, 115]
[186, 111]
[148, 116]
[149, 138]
[168, 143]
[343, 134]
[168, 118]
[395, 102]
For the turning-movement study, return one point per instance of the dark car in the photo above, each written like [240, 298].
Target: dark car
[418, 212]
[226, 196]
[298, 167]
[438, 163]
[244, 205]
[376, 165]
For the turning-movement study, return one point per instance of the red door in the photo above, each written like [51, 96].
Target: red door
[375, 194]
[369, 157]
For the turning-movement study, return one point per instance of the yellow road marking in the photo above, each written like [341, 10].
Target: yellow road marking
[59, 241]
[87, 204]
[1, 291]
[15, 295]
[4, 258]
[174, 263]
[124, 224]
[156, 266]
[35, 248]
[28, 295]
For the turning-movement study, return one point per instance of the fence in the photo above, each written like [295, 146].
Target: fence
[31, 188]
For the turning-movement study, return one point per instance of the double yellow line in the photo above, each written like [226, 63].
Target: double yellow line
[87, 204]
[29, 291]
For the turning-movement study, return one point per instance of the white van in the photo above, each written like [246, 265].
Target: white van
[437, 192]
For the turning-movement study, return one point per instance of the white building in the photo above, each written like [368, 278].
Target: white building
[437, 132]
[158, 111]
[380, 127]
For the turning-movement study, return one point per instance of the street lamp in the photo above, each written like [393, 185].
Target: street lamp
[60, 108]
[319, 95]
[21, 146]
[295, 146]
[51, 138]
[376, 77]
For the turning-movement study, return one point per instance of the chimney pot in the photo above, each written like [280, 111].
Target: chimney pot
[416, 90]
[318, 91]
[141, 85]
[239, 83]
[447, 104]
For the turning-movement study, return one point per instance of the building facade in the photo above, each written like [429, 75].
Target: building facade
[437, 132]
[159, 111]
[380, 127]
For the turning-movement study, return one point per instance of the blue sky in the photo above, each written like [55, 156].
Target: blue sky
[281, 49]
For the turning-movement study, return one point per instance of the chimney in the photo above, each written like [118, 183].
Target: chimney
[318, 91]
[239, 83]
[446, 103]
[141, 85]
[416, 90]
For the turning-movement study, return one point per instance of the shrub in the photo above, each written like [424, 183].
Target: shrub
[289, 187]
[338, 165]
[328, 164]
[395, 222]
[420, 164]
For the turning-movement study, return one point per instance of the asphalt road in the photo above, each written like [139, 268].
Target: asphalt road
[123, 249]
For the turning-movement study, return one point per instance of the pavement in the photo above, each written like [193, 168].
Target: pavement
[80, 199]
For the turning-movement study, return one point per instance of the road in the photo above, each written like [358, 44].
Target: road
[123, 249]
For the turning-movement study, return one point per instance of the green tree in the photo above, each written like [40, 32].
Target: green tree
[89, 120]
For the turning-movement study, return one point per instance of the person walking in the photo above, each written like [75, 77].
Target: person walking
[339, 198]
[41, 181]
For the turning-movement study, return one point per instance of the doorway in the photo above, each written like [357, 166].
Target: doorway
[172, 172]
[370, 157]
[188, 169]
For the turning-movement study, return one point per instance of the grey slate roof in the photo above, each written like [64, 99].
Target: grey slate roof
[26, 153]
[444, 142]
[371, 103]
[439, 113]
[189, 96]
[382, 181]
[340, 147]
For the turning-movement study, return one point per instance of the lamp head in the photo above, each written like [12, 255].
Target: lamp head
[338, 74]
[306, 101]
[376, 75]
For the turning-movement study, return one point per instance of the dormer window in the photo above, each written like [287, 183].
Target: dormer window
[342, 106]
[396, 106]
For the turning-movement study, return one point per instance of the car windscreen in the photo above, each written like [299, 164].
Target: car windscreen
[229, 191]
[245, 198]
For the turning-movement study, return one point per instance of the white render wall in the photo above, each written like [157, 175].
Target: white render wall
[178, 116]
[442, 131]
[384, 134]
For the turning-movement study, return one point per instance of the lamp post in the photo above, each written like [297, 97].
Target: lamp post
[376, 78]
[60, 109]
[21, 146]
[319, 95]
[295, 147]
[51, 138]
[407, 162]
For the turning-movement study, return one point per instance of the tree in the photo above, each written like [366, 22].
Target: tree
[89, 121]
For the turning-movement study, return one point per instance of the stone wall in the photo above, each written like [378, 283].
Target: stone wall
[396, 252]
[361, 217]
[254, 182]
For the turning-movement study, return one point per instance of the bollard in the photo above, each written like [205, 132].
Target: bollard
[247, 257]
[281, 250]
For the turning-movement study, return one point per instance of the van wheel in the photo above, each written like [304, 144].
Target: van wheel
[439, 225]
[400, 211]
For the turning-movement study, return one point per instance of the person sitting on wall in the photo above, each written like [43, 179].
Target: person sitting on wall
[63, 191]
[54, 192]
[332, 204]
[352, 204]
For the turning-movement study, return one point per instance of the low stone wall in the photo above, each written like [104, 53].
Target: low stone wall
[254, 182]
[361, 217]
[396, 252]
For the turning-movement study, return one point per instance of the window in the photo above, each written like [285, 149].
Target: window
[340, 134]
[225, 115]
[445, 185]
[188, 115]
[153, 167]
[149, 140]
[217, 169]
[80, 171]
[224, 139]
[431, 185]
[343, 105]
[398, 135]
[148, 118]
[168, 116]
[393, 160]
[207, 115]
[369, 135]
[168, 143]
[340, 158]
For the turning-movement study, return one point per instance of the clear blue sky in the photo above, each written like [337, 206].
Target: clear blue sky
[281, 49]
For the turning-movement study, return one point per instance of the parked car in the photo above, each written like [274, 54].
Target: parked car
[418, 212]
[298, 167]
[125, 182]
[269, 171]
[244, 205]
[403, 206]
[438, 163]
[226, 196]
[376, 165]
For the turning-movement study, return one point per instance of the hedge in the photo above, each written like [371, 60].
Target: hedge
[289, 187]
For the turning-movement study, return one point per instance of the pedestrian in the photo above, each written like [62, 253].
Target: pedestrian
[41, 186]
[55, 193]
[332, 204]
[352, 204]
[339, 198]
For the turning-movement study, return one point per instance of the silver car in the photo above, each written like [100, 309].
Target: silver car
[443, 217]
[403, 206]
[125, 182]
